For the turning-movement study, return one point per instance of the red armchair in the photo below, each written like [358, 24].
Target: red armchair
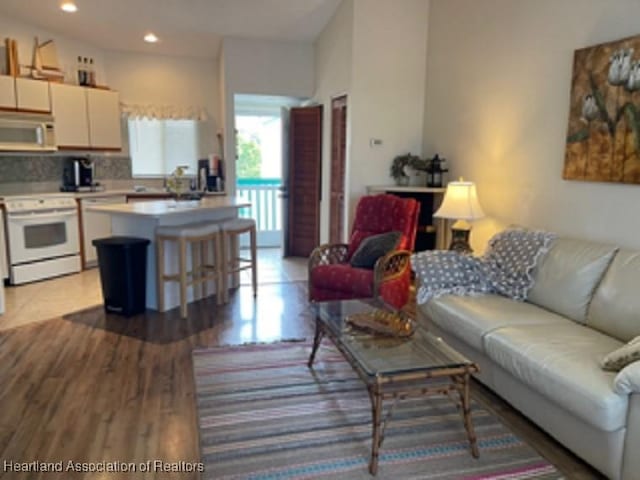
[331, 277]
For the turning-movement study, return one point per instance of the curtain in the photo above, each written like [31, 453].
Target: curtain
[163, 112]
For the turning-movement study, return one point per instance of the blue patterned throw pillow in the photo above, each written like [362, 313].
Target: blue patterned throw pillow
[374, 247]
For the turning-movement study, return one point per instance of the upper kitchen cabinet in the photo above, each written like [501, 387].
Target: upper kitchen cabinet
[24, 94]
[69, 106]
[7, 93]
[32, 95]
[86, 118]
[104, 119]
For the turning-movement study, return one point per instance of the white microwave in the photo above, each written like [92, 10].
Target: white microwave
[21, 132]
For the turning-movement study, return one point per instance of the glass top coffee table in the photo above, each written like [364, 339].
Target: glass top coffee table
[395, 368]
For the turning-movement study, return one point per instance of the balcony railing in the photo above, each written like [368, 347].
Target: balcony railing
[266, 208]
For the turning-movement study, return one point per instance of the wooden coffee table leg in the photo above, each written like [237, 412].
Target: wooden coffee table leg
[317, 338]
[376, 419]
[466, 414]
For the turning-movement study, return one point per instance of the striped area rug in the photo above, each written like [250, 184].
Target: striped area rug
[264, 415]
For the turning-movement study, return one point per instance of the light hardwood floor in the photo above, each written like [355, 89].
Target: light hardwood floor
[38, 301]
[94, 387]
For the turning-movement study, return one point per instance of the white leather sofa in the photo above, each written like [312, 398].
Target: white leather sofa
[543, 356]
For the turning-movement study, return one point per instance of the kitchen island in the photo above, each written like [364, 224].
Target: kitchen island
[141, 219]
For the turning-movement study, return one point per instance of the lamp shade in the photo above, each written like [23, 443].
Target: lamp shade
[460, 202]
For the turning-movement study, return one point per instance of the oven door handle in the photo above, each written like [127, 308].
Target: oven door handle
[49, 216]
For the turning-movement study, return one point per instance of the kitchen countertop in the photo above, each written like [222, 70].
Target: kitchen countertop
[107, 193]
[165, 208]
[134, 193]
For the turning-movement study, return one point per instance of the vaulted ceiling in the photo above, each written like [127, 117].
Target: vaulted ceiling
[185, 27]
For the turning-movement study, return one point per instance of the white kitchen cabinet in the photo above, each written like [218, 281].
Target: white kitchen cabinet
[32, 95]
[86, 118]
[96, 225]
[103, 107]
[69, 107]
[7, 92]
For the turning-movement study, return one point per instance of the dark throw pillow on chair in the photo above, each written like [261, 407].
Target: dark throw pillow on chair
[374, 247]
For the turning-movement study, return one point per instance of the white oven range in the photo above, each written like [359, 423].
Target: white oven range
[42, 237]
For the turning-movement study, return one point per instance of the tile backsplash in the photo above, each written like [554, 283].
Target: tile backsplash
[48, 168]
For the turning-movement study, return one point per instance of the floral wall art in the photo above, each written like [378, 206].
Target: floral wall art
[603, 138]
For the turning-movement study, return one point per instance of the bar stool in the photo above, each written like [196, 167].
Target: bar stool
[199, 236]
[231, 230]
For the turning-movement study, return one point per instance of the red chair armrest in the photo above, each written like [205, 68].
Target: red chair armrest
[390, 267]
[328, 254]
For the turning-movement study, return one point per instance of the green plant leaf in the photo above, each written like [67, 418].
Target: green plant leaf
[597, 94]
[633, 117]
[579, 136]
[397, 166]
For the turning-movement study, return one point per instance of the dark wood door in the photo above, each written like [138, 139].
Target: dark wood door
[338, 153]
[305, 157]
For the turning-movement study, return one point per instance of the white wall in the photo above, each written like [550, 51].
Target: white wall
[266, 67]
[333, 52]
[261, 67]
[498, 83]
[387, 89]
[162, 79]
[166, 80]
[222, 97]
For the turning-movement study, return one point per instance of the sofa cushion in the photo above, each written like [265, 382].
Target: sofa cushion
[615, 306]
[472, 317]
[343, 278]
[562, 363]
[567, 276]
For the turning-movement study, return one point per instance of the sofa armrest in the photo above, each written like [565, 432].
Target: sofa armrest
[628, 379]
[390, 267]
[630, 457]
[328, 254]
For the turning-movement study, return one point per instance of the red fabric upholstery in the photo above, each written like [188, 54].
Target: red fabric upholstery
[384, 213]
[374, 214]
[342, 277]
[396, 292]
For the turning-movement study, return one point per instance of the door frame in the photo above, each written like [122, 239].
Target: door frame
[339, 216]
[259, 105]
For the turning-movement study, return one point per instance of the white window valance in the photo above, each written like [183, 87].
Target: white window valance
[163, 112]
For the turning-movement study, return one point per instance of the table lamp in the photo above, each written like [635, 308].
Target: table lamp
[461, 204]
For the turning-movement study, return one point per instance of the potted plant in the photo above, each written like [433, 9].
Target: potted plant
[400, 165]
[176, 182]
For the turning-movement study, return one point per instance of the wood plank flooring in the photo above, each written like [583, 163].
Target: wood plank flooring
[91, 387]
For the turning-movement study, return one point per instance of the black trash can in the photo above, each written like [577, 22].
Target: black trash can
[123, 273]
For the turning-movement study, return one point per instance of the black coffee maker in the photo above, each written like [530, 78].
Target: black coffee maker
[77, 174]
[208, 180]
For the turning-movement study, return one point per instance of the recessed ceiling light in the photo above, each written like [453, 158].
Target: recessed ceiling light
[69, 7]
[150, 38]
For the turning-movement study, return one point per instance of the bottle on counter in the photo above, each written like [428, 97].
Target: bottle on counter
[82, 73]
[86, 70]
[92, 74]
